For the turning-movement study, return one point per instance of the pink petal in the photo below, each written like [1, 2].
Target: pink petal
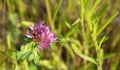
[31, 27]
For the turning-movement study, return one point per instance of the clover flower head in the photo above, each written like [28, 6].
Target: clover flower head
[41, 34]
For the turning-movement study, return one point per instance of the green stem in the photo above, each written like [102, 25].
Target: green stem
[99, 62]
[83, 32]
[99, 66]
[49, 15]
[56, 9]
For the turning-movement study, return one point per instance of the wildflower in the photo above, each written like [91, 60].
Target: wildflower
[41, 34]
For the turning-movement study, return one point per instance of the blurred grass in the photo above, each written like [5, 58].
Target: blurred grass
[62, 12]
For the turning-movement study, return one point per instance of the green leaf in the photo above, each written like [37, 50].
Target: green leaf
[26, 39]
[27, 23]
[97, 2]
[102, 40]
[67, 46]
[24, 54]
[102, 11]
[69, 33]
[101, 55]
[77, 51]
[69, 24]
[56, 9]
[25, 51]
[87, 3]
[77, 21]
[27, 46]
[85, 57]
[71, 40]
[31, 57]
[36, 55]
[109, 55]
[106, 23]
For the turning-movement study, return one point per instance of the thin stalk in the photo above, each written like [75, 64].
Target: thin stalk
[83, 32]
[49, 15]
[3, 35]
[56, 9]
[99, 66]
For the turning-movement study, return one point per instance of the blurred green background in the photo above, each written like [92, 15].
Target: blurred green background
[16, 15]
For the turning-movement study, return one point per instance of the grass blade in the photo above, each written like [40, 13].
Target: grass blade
[106, 23]
[82, 55]
[56, 9]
